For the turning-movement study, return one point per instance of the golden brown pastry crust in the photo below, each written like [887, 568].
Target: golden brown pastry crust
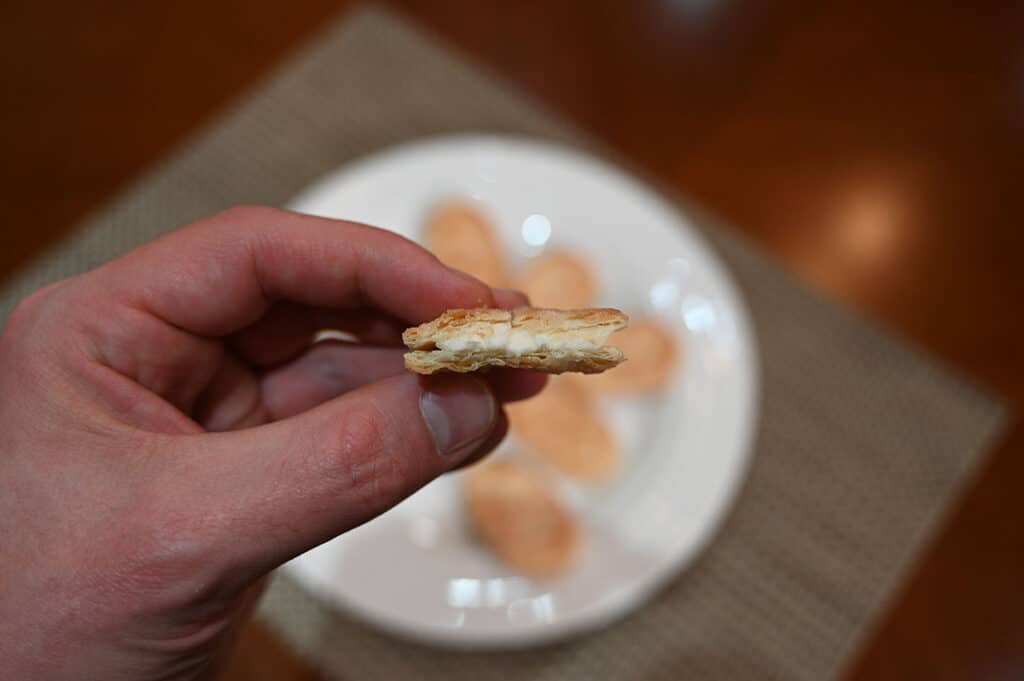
[516, 514]
[562, 427]
[462, 238]
[558, 279]
[654, 351]
[573, 330]
[452, 323]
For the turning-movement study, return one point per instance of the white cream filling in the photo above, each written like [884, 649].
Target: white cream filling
[491, 337]
[521, 342]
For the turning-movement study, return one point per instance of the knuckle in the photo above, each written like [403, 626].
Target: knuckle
[388, 240]
[245, 214]
[168, 551]
[365, 465]
[24, 338]
[165, 550]
[168, 558]
[28, 311]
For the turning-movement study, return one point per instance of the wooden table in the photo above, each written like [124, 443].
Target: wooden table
[876, 148]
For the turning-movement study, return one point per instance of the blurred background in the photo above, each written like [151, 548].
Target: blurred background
[875, 148]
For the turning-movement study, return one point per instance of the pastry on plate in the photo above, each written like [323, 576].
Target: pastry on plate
[653, 352]
[562, 427]
[558, 279]
[520, 518]
[462, 238]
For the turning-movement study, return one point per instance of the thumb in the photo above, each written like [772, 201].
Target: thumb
[272, 492]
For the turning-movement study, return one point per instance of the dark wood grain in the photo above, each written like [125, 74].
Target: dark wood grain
[876, 148]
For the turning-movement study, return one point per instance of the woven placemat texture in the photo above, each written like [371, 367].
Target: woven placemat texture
[863, 442]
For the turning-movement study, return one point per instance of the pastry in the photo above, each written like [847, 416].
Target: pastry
[552, 341]
[654, 353]
[558, 280]
[516, 514]
[562, 427]
[462, 238]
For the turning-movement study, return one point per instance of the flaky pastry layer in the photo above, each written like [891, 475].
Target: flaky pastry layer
[551, 341]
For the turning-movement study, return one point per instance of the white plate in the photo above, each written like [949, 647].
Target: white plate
[416, 570]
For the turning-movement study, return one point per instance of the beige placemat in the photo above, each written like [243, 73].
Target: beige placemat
[863, 442]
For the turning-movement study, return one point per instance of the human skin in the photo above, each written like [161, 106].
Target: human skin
[169, 434]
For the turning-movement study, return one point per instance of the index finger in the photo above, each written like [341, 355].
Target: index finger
[221, 274]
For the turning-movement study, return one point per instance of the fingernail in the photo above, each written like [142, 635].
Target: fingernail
[459, 411]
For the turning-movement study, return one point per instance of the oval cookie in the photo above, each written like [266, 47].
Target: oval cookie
[562, 427]
[462, 238]
[653, 353]
[559, 280]
[520, 518]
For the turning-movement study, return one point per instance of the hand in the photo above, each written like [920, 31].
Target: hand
[169, 435]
